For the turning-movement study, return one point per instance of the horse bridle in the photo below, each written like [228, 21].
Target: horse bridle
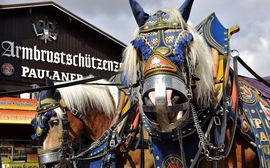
[62, 154]
[186, 77]
[182, 83]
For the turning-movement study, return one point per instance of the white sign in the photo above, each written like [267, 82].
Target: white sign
[59, 58]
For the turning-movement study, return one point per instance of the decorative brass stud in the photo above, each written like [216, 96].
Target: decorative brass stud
[39, 131]
[245, 126]
[257, 136]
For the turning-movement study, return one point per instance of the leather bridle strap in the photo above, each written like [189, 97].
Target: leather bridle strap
[221, 140]
[142, 144]
[65, 146]
[234, 124]
[105, 137]
[85, 80]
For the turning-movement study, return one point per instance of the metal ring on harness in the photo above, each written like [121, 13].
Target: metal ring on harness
[170, 81]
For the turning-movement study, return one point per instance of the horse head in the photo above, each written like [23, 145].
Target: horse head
[174, 64]
[67, 116]
[48, 110]
[48, 124]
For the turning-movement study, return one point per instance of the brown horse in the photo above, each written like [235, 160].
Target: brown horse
[180, 80]
[86, 112]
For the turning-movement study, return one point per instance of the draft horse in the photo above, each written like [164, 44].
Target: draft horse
[188, 95]
[79, 126]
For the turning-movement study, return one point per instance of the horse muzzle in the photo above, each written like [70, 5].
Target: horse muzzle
[49, 158]
[169, 96]
[55, 158]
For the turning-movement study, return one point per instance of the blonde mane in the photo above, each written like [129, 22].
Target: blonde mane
[199, 55]
[89, 98]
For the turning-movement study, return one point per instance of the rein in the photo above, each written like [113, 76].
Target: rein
[82, 81]
[260, 79]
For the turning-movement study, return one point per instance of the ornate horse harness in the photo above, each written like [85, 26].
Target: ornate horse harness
[101, 153]
[164, 46]
[159, 65]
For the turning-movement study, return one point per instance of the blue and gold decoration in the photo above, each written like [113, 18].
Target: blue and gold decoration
[162, 44]
[170, 43]
[44, 113]
[215, 34]
[166, 155]
[167, 152]
[257, 111]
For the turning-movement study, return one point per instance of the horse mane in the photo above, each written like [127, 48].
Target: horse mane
[89, 98]
[199, 55]
[203, 62]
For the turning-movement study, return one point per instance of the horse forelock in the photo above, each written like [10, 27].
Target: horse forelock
[59, 113]
[175, 17]
[88, 99]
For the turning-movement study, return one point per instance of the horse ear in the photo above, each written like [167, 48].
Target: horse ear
[50, 92]
[138, 12]
[36, 95]
[185, 9]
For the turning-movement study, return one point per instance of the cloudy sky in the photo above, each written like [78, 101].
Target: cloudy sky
[253, 17]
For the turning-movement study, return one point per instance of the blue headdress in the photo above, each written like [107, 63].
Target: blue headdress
[152, 40]
[48, 100]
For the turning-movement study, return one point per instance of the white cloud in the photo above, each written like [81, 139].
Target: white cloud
[255, 52]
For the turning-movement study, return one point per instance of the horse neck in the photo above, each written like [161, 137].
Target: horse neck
[96, 124]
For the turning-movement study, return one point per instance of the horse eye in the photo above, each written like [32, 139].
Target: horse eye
[54, 122]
